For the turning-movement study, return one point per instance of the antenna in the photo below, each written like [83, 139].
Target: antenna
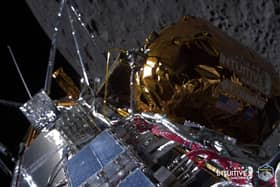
[10, 103]
[19, 72]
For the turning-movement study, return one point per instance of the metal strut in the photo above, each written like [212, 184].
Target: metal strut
[82, 64]
[19, 72]
[48, 79]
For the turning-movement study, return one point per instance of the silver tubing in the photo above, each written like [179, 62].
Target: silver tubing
[132, 91]
[48, 79]
[78, 15]
[132, 65]
[16, 174]
[85, 76]
[277, 175]
[19, 72]
[96, 41]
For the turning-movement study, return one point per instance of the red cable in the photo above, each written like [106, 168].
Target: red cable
[196, 149]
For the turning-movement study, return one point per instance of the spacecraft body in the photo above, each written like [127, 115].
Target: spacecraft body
[181, 111]
[194, 71]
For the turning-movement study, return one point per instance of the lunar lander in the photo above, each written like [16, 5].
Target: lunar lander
[191, 107]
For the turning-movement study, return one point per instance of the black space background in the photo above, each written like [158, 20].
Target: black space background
[30, 44]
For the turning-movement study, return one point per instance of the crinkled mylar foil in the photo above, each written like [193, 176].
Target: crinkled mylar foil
[40, 110]
[196, 72]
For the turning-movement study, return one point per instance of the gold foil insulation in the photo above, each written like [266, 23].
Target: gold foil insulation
[66, 84]
[193, 71]
[196, 72]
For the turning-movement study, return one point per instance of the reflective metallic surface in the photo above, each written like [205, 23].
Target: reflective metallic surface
[277, 175]
[194, 71]
[66, 83]
[76, 125]
[52, 54]
[42, 158]
[189, 108]
[40, 110]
